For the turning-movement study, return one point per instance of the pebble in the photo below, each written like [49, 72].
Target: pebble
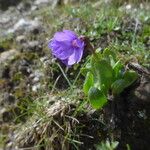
[36, 76]
[36, 87]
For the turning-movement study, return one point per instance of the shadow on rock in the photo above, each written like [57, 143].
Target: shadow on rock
[5, 4]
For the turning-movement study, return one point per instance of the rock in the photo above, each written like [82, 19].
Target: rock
[22, 66]
[129, 6]
[8, 19]
[25, 6]
[37, 73]
[4, 72]
[36, 87]
[39, 2]
[24, 25]
[8, 99]
[35, 30]
[36, 76]
[65, 2]
[6, 115]
[8, 56]
[33, 46]
[5, 4]
[35, 80]
[132, 113]
[21, 39]
[5, 19]
[46, 61]
[33, 8]
[142, 92]
[53, 3]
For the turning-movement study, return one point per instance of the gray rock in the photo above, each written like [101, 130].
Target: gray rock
[46, 61]
[5, 4]
[5, 59]
[8, 19]
[36, 76]
[7, 116]
[8, 56]
[21, 39]
[4, 71]
[36, 87]
[33, 8]
[35, 29]
[24, 25]
[33, 46]
[8, 99]
[39, 2]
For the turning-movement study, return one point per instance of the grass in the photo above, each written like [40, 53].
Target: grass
[42, 123]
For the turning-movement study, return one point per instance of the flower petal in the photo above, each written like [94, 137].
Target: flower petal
[66, 35]
[61, 50]
[76, 56]
[79, 50]
[72, 59]
[70, 33]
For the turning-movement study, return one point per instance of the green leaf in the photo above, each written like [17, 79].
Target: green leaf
[104, 73]
[118, 86]
[130, 77]
[107, 52]
[118, 69]
[89, 81]
[114, 144]
[96, 98]
[86, 69]
[110, 56]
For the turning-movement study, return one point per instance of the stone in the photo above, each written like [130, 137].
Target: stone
[21, 39]
[36, 76]
[8, 55]
[24, 25]
[33, 45]
[39, 2]
[5, 4]
[7, 116]
[36, 87]
[8, 99]
[4, 72]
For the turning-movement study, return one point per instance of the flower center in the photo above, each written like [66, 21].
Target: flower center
[74, 43]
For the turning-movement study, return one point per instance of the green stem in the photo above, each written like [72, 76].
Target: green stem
[69, 83]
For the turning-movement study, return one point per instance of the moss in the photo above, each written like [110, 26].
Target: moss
[7, 42]
[30, 56]
[17, 77]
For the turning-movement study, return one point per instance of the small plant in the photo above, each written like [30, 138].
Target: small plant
[105, 75]
[107, 145]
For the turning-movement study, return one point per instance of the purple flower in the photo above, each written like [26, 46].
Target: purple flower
[67, 47]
